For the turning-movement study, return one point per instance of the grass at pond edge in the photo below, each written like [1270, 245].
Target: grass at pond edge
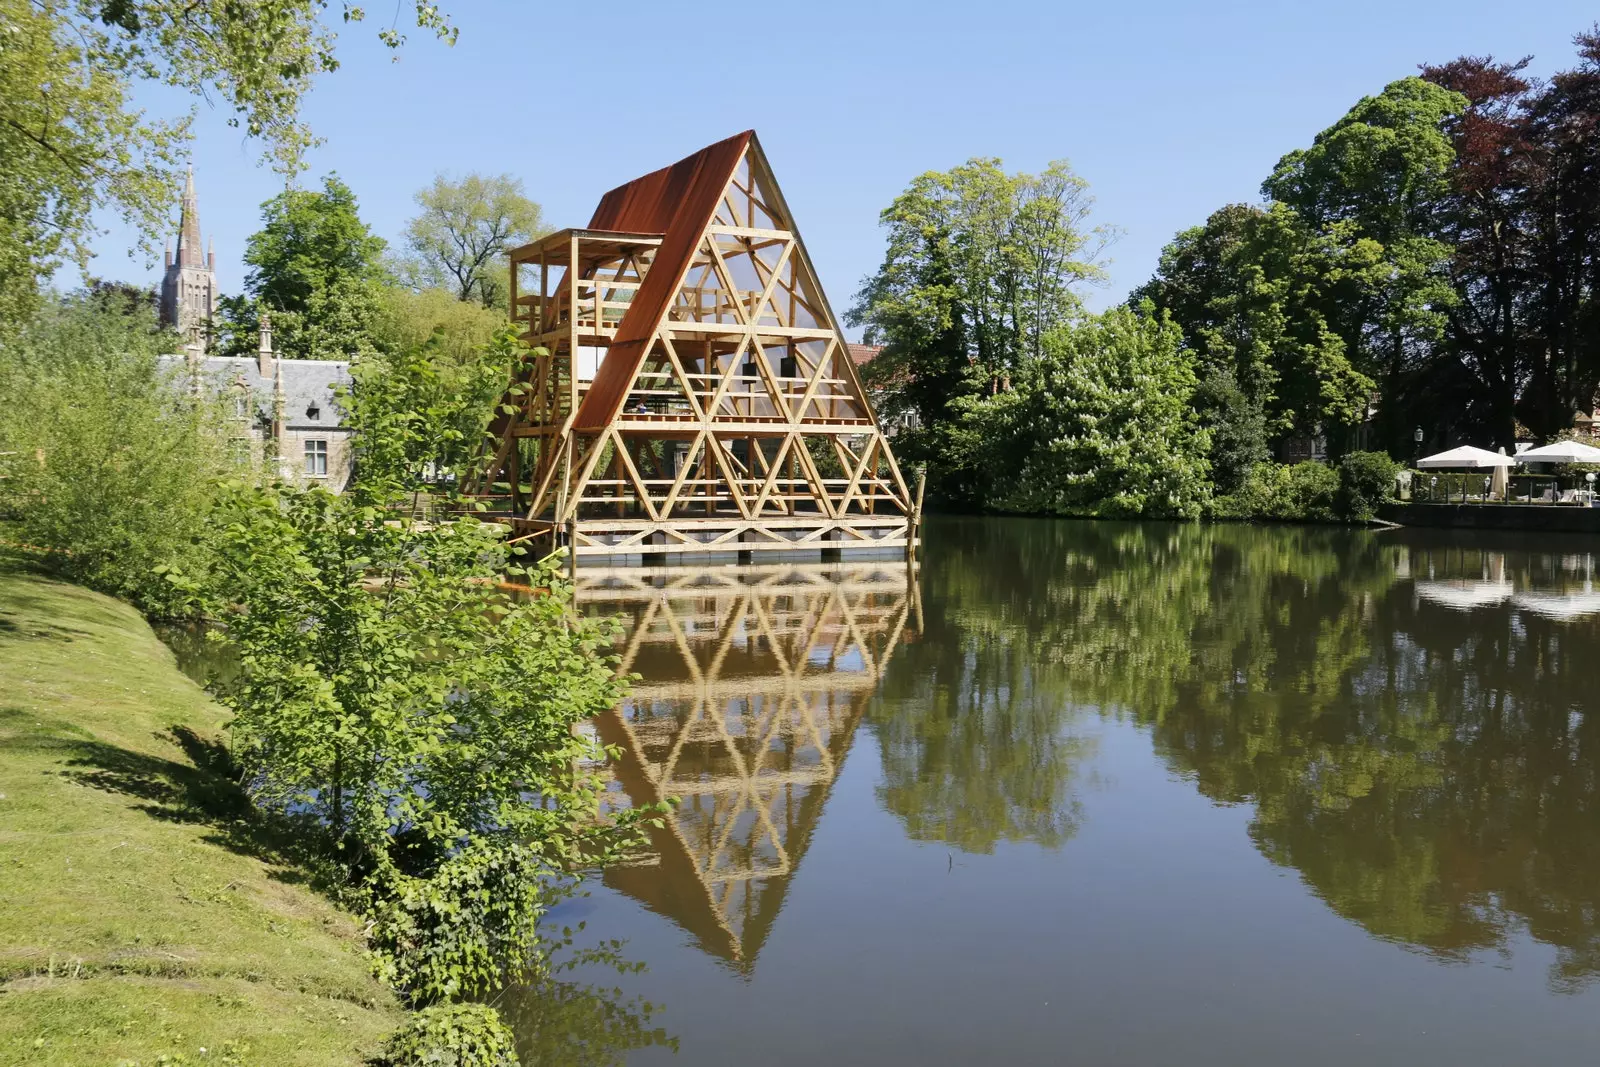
[144, 912]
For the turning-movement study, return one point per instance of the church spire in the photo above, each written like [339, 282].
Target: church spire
[189, 250]
[189, 286]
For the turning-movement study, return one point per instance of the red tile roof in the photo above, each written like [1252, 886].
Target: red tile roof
[861, 355]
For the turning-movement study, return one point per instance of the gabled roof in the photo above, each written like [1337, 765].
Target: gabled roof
[306, 383]
[677, 202]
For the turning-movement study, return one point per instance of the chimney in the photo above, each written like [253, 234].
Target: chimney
[278, 407]
[264, 361]
[192, 353]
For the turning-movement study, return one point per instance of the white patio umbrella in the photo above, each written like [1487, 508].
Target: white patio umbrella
[1469, 457]
[1500, 482]
[1561, 452]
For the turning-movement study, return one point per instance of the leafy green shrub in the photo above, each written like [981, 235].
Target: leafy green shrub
[1366, 479]
[1301, 492]
[453, 1035]
[462, 929]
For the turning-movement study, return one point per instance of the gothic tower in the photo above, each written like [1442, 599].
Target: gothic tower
[189, 289]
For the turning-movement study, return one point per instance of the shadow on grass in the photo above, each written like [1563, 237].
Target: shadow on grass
[12, 628]
[206, 791]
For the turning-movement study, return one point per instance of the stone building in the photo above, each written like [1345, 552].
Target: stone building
[285, 412]
[189, 287]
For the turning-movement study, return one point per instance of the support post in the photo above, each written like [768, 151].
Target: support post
[572, 550]
[915, 534]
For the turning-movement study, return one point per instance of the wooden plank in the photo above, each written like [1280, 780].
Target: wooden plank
[750, 231]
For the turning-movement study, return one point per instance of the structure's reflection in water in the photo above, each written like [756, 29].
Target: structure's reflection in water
[751, 684]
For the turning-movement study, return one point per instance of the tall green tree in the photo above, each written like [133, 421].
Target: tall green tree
[460, 238]
[1524, 220]
[1375, 186]
[390, 686]
[317, 269]
[72, 145]
[1299, 309]
[1252, 291]
[981, 265]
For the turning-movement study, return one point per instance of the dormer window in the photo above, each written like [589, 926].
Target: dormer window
[313, 412]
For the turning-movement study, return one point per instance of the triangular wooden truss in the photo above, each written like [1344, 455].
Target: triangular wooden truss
[753, 682]
[694, 393]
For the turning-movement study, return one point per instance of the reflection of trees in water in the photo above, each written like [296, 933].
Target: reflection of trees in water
[1500, 826]
[975, 743]
[1429, 772]
[565, 1023]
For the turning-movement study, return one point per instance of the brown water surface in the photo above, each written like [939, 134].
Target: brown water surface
[1100, 793]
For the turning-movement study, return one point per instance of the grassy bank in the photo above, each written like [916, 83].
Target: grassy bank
[146, 912]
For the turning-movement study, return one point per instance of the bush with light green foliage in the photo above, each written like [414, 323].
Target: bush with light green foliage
[1099, 424]
[1366, 479]
[461, 928]
[108, 463]
[453, 1035]
[1298, 492]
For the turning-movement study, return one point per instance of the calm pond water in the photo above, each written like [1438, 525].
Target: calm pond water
[1101, 793]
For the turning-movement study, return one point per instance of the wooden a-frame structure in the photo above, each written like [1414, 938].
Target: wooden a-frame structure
[693, 393]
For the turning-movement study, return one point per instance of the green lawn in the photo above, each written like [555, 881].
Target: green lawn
[144, 910]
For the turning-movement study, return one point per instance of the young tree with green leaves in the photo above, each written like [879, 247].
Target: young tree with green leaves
[391, 686]
[460, 238]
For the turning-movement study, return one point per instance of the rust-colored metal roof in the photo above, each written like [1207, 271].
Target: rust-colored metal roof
[677, 202]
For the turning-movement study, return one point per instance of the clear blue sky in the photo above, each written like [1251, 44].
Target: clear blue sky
[1169, 109]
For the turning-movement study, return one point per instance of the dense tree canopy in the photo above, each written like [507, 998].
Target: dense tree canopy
[1099, 423]
[1300, 309]
[317, 269]
[1523, 217]
[1437, 249]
